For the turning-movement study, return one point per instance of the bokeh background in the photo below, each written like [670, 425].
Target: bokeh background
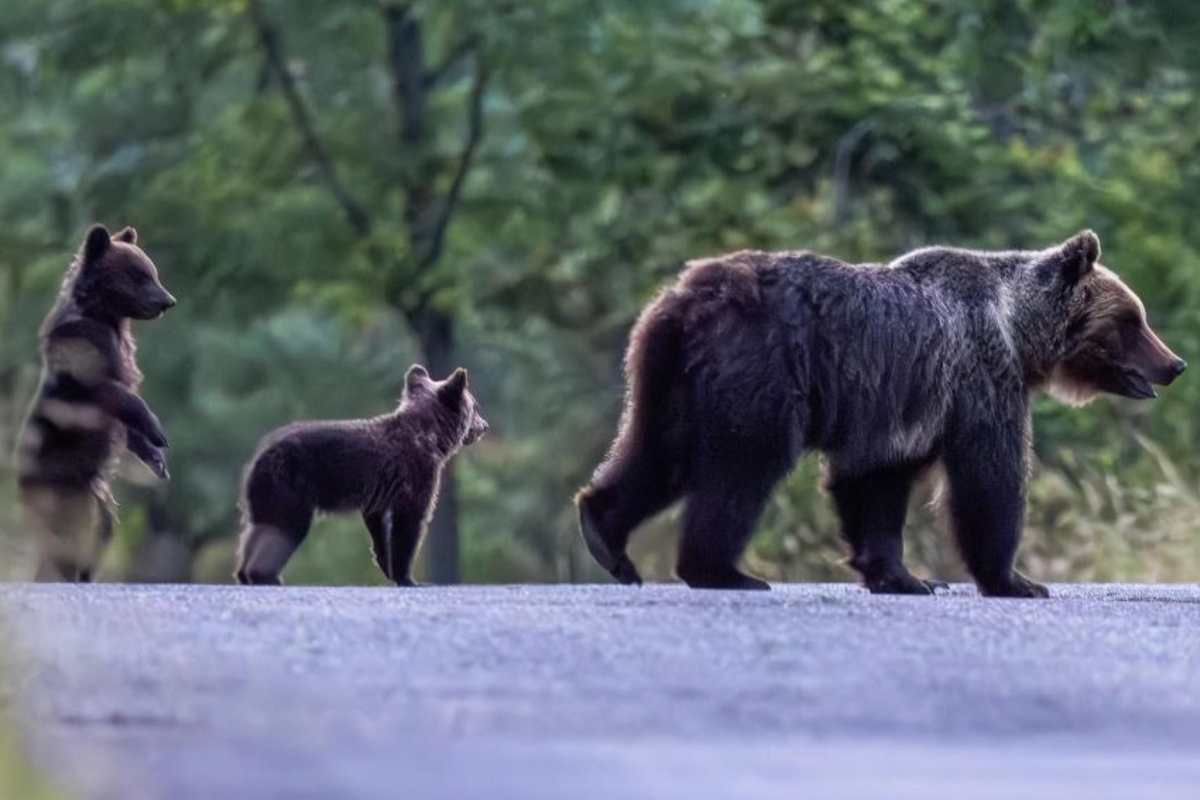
[337, 189]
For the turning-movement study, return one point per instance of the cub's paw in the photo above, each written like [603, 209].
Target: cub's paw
[156, 460]
[155, 432]
[408, 583]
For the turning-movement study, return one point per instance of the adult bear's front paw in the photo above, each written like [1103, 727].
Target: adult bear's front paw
[892, 577]
[1016, 586]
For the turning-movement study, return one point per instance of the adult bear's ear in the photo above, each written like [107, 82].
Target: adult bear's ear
[97, 242]
[416, 376]
[127, 234]
[1076, 257]
[453, 387]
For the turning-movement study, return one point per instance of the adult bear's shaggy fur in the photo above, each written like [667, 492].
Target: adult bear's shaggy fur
[754, 358]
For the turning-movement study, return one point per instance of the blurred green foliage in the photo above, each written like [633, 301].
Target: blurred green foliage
[617, 140]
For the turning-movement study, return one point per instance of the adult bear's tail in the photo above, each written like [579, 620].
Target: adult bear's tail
[711, 294]
[653, 368]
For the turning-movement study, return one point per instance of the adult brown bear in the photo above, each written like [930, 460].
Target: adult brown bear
[753, 358]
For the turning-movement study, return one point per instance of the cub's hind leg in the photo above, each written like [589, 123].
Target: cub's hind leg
[872, 508]
[263, 552]
[105, 523]
[277, 518]
[71, 524]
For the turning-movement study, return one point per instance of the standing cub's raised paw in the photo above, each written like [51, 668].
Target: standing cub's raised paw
[387, 467]
[155, 458]
[156, 461]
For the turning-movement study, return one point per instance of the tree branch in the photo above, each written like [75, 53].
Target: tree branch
[456, 55]
[470, 146]
[406, 58]
[269, 39]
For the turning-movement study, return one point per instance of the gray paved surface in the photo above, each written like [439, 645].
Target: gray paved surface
[608, 692]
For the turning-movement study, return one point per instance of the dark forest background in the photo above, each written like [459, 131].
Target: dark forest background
[337, 189]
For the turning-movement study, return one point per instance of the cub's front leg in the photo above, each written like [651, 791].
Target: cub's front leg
[378, 527]
[131, 411]
[404, 536]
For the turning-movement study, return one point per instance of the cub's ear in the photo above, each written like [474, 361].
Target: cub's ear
[97, 242]
[127, 234]
[1076, 256]
[452, 389]
[415, 376]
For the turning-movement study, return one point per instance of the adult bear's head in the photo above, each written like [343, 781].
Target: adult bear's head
[1109, 346]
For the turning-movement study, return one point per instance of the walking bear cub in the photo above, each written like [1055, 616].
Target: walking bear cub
[87, 406]
[753, 358]
[388, 467]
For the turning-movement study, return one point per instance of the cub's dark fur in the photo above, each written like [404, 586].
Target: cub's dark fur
[754, 358]
[387, 467]
[87, 406]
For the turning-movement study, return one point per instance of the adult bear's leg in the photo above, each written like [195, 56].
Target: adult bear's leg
[872, 508]
[726, 496]
[985, 466]
[628, 490]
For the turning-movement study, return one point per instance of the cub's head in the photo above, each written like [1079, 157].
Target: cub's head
[1109, 345]
[452, 396]
[116, 279]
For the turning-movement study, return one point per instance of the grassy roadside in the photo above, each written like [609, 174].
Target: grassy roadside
[18, 779]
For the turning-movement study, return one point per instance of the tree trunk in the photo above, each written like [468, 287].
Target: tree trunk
[163, 555]
[425, 216]
[436, 333]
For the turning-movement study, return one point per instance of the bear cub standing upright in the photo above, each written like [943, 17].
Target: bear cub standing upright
[87, 406]
[753, 358]
[388, 467]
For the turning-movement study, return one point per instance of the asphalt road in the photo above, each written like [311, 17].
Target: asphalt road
[606, 692]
